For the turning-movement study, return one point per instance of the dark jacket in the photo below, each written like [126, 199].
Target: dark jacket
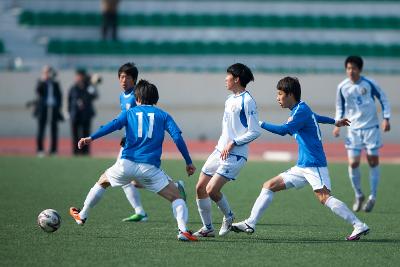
[42, 91]
[80, 102]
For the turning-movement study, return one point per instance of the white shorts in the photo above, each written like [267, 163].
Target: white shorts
[359, 139]
[297, 177]
[124, 171]
[228, 168]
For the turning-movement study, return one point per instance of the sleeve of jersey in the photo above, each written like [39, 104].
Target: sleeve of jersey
[110, 127]
[253, 128]
[175, 133]
[323, 119]
[275, 129]
[383, 100]
[340, 101]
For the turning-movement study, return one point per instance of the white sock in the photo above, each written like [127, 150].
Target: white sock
[223, 205]
[180, 211]
[261, 204]
[340, 209]
[355, 178]
[374, 175]
[133, 196]
[204, 207]
[92, 198]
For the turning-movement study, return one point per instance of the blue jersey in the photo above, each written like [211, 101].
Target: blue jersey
[145, 126]
[303, 125]
[127, 100]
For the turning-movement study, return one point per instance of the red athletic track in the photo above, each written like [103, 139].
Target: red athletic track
[390, 153]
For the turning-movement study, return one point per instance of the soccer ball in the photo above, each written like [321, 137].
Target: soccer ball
[49, 220]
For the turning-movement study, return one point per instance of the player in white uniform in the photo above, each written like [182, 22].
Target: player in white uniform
[355, 100]
[239, 128]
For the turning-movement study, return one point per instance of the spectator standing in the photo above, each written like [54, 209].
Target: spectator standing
[109, 10]
[48, 109]
[81, 110]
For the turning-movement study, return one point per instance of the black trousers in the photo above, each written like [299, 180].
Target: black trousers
[80, 128]
[110, 21]
[42, 122]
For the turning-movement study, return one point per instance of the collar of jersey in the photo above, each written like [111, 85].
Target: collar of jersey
[126, 95]
[245, 91]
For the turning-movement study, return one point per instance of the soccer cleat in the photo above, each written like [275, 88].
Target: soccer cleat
[136, 218]
[74, 212]
[242, 227]
[205, 232]
[226, 225]
[358, 202]
[186, 236]
[369, 205]
[181, 187]
[359, 230]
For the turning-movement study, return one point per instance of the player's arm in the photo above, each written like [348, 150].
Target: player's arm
[378, 93]
[110, 127]
[176, 135]
[340, 101]
[275, 129]
[294, 123]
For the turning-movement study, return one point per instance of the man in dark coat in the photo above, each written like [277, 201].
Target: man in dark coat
[48, 108]
[81, 110]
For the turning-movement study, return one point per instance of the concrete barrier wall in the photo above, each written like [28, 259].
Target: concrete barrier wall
[195, 100]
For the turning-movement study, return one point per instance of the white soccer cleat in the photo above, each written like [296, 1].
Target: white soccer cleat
[369, 205]
[359, 230]
[205, 232]
[242, 227]
[226, 225]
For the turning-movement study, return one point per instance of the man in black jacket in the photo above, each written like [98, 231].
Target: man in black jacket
[81, 110]
[48, 108]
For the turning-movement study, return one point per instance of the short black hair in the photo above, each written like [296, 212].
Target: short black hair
[130, 69]
[146, 93]
[356, 60]
[242, 71]
[290, 85]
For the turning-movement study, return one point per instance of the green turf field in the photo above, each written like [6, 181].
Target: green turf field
[296, 230]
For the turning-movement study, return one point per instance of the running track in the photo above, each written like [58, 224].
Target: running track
[11, 146]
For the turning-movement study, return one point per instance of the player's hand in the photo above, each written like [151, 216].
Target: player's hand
[227, 149]
[386, 125]
[84, 142]
[336, 132]
[190, 169]
[342, 122]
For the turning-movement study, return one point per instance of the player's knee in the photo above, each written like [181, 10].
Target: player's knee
[354, 164]
[103, 181]
[373, 162]
[201, 190]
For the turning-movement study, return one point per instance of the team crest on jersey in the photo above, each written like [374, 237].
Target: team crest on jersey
[363, 91]
[128, 106]
[289, 119]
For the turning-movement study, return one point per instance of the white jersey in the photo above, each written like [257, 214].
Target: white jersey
[239, 124]
[356, 101]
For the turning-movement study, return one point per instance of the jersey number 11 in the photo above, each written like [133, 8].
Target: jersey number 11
[140, 124]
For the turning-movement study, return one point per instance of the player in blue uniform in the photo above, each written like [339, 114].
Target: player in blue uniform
[311, 165]
[140, 160]
[356, 100]
[127, 75]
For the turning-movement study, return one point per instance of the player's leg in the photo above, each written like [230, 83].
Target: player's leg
[202, 198]
[214, 191]
[319, 180]
[354, 157]
[374, 177]
[354, 145]
[260, 205]
[180, 210]
[93, 197]
[204, 207]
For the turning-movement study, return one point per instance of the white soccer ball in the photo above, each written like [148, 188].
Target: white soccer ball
[49, 220]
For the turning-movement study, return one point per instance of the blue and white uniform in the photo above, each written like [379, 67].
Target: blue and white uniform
[141, 156]
[240, 125]
[356, 101]
[127, 99]
[311, 165]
